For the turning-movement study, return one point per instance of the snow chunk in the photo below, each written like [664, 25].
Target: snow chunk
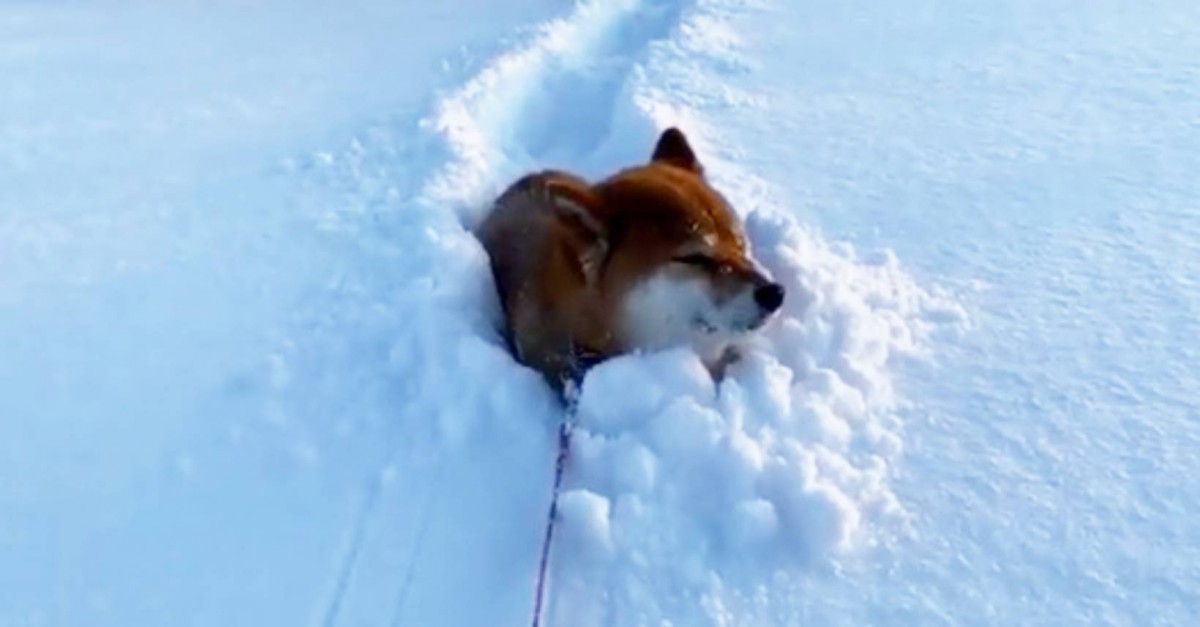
[684, 430]
[753, 522]
[625, 391]
[585, 517]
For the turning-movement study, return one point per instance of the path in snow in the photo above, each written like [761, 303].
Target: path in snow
[470, 491]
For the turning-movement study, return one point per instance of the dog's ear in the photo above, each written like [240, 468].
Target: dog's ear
[574, 206]
[673, 148]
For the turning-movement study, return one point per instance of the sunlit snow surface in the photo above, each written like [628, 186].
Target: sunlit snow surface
[250, 372]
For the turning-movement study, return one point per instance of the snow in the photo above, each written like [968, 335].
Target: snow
[250, 370]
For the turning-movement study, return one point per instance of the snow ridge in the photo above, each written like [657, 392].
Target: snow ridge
[555, 100]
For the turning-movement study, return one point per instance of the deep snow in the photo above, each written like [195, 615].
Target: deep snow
[249, 372]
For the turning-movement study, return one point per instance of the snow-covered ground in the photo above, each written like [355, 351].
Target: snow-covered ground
[249, 371]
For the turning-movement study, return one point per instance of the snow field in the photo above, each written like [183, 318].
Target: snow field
[250, 371]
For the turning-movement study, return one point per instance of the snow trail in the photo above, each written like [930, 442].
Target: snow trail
[354, 547]
[415, 555]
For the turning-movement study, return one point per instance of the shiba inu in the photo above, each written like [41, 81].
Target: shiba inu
[650, 258]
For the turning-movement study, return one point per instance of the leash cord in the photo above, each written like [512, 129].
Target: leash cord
[564, 447]
[571, 396]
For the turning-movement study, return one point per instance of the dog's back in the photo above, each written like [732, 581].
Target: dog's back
[538, 248]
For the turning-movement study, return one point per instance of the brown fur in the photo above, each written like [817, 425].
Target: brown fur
[564, 253]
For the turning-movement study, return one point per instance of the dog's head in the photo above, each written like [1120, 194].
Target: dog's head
[669, 251]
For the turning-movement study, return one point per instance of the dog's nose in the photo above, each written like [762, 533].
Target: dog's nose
[769, 296]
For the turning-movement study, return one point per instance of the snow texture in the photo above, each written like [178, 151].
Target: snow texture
[250, 363]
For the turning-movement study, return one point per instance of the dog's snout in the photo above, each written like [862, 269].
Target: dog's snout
[769, 296]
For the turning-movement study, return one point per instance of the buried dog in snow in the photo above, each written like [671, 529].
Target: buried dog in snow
[649, 258]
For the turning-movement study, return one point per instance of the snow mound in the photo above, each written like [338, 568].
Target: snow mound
[783, 463]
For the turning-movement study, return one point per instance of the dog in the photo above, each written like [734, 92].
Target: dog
[649, 258]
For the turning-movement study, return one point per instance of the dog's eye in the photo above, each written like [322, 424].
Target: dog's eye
[700, 260]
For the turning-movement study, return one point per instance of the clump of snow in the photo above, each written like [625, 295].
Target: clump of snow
[790, 454]
[622, 397]
[786, 461]
[585, 518]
